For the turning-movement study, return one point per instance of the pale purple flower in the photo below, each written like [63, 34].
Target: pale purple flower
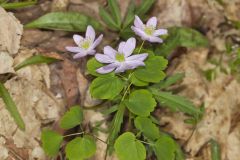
[122, 59]
[148, 31]
[85, 46]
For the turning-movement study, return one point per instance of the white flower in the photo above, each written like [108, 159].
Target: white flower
[120, 60]
[85, 46]
[148, 31]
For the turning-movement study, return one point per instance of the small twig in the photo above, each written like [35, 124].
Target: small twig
[74, 134]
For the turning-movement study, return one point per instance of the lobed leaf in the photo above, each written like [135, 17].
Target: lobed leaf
[67, 21]
[81, 148]
[149, 129]
[11, 107]
[141, 102]
[37, 59]
[128, 148]
[153, 69]
[165, 148]
[51, 142]
[72, 118]
[106, 87]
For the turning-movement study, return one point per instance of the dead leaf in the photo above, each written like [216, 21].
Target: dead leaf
[6, 63]
[10, 32]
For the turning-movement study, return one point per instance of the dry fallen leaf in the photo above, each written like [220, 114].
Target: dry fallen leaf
[10, 32]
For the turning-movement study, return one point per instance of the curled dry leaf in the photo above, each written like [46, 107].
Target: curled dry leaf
[10, 32]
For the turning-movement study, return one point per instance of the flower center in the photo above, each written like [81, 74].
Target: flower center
[120, 57]
[149, 30]
[85, 44]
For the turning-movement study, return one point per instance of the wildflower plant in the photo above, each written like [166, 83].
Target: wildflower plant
[129, 77]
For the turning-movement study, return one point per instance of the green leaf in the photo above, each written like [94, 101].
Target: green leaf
[179, 153]
[72, 118]
[67, 21]
[128, 148]
[93, 65]
[16, 5]
[153, 69]
[137, 82]
[149, 129]
[165, 148]
[81, 148]
[175, 102]
[37, 59]
[11, 107]
[51, 142]
[116, 125]
[181, 37]
[106, 87]
[169, 81]
[141, 102]
[115, 10]
[130, 14]
[215, 150]
[144, 7]
[106, 17]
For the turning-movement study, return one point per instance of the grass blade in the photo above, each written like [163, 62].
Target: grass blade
[16, 5]
[11, 107]
[38, 59]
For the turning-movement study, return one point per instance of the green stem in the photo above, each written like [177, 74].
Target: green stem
[141, 47]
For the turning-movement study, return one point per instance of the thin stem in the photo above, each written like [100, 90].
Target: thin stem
[74, 134]
[141, 47]
[145, 142]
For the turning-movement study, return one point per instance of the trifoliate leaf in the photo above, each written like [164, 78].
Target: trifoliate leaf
[128, 148]
[181, 37]
[165, 148]
[149, 129]
[37, 59]
[93, 65]
[137, 82]
[72, 118]
[141, 102]
[80, 148]
[175, 102]
[67, 21]
[11, 107]
[106, 87]
[153, 71]
[51, 142]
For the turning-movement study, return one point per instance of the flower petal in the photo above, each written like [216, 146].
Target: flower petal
[138, 57]
[107, 68]
[121, 68]
[104, 58]
[134, 64]
[155, 39]
[79, 55]
[121, 46]
[152, 22]
[160, 32]
[90, 33]
[97, 41]
[140, 33]
[129, 47]
[74, 49]
[138, 22]
[91, 52]
[108, 50]
[77, 38]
